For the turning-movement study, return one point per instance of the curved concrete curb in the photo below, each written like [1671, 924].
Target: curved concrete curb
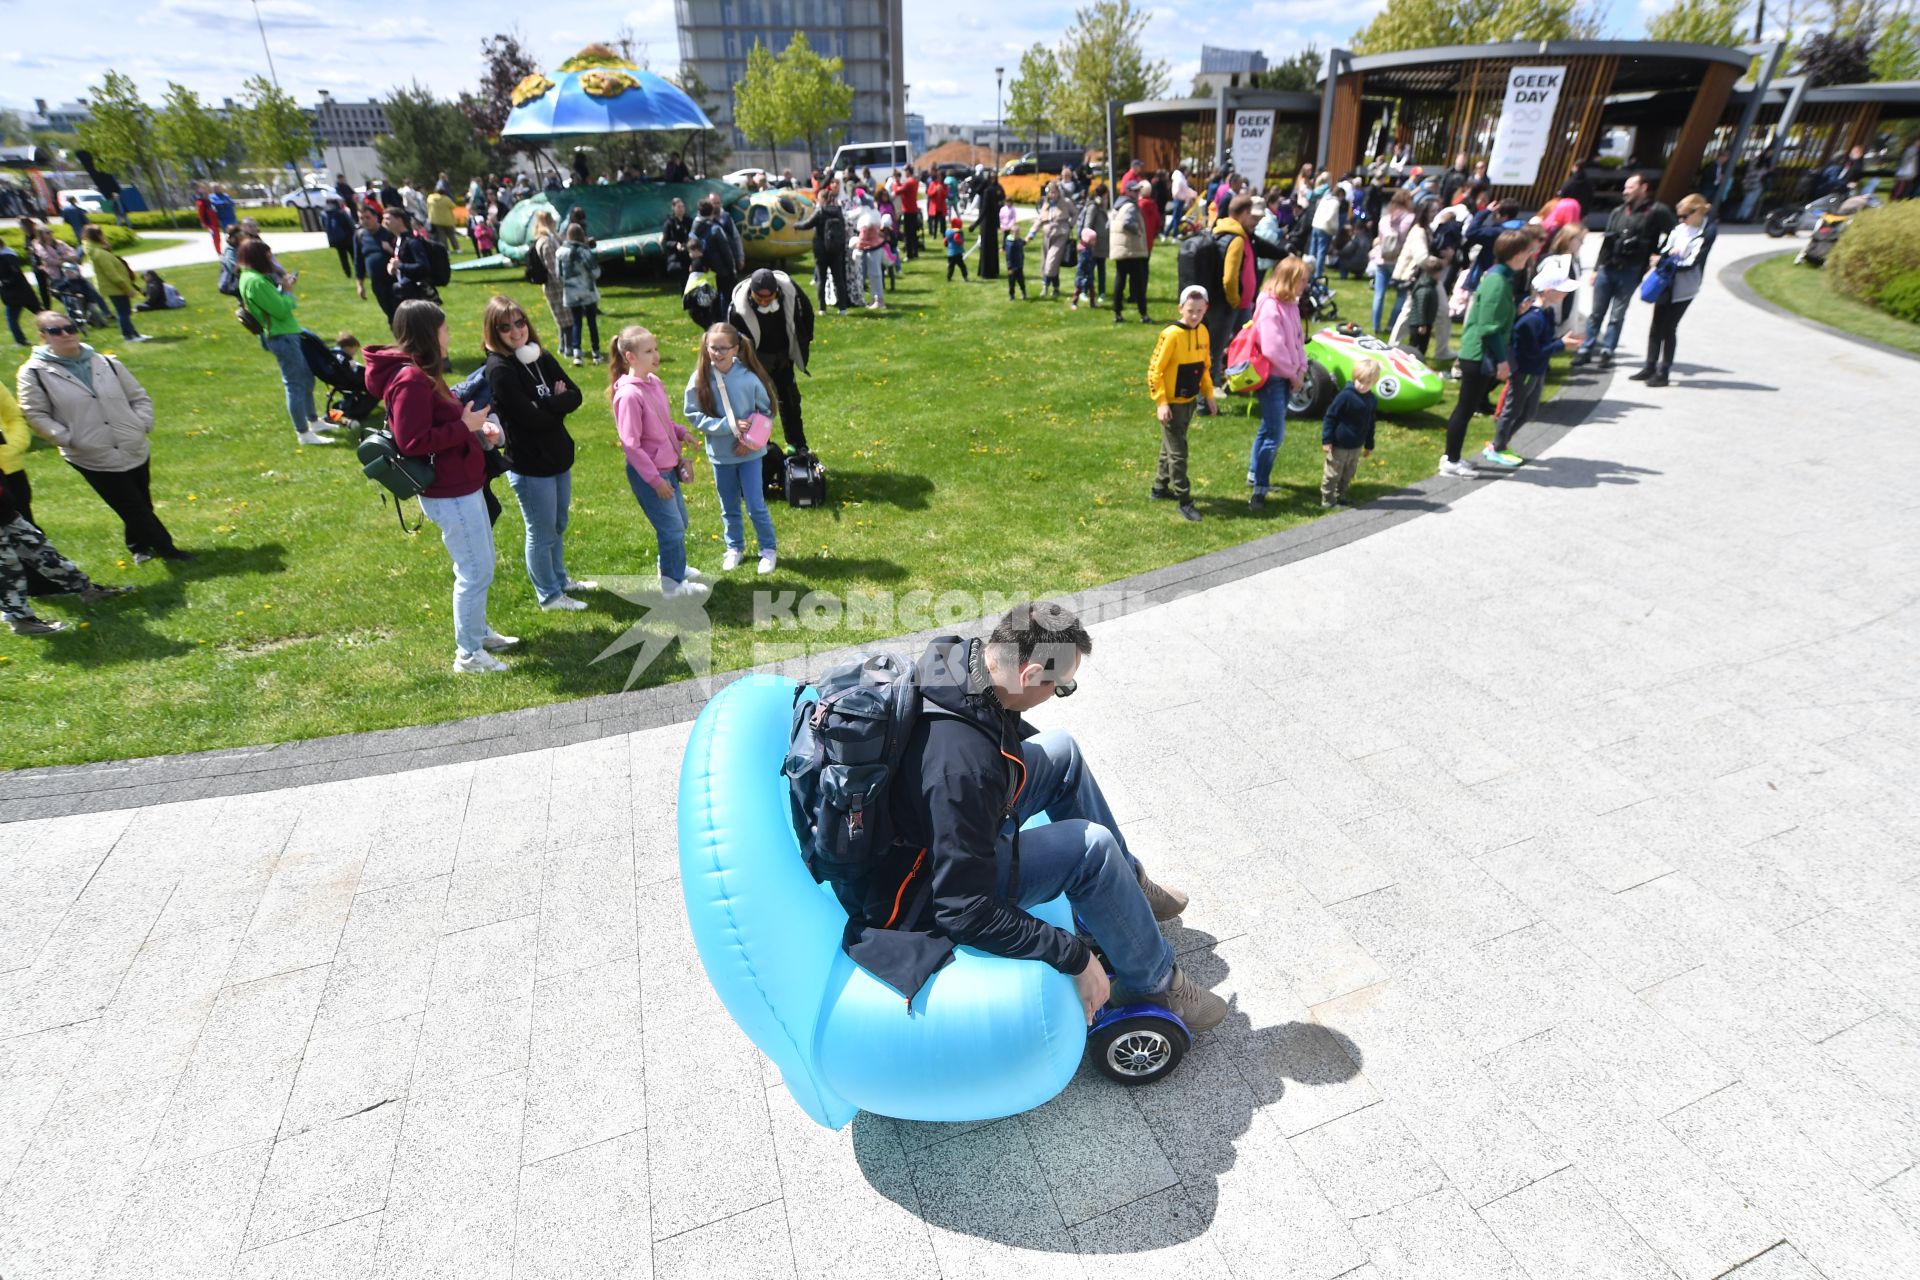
[90, 788]
[1734, 277]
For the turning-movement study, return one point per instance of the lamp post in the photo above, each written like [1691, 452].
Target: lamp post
[999, 116]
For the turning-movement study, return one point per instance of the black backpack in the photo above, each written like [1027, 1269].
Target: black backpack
[834, 231]
[1202, 262]
[439, 264]
[842, 754]
[536, 272]
[806, 479]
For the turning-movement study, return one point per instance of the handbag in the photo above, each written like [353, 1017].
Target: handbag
[759, 426]
[1658, 281]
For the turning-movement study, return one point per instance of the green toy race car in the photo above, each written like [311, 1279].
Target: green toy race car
[1405, 383]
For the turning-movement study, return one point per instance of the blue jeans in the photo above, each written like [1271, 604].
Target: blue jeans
[1382, 281]
[543, 507]
[295, 376]
[668, 516]
[1317, 246]
[468, 535]
[1612, 294]
[873, 262]
[123, 311]
[737, 480]
[13, 323]
[1081, 853]
[1272, 433]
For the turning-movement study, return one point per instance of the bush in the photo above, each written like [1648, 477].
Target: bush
[275, 215]
[1879, 246]
[1901, 296]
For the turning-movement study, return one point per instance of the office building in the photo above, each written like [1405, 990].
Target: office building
[346, 124]
[866, 35]
[1230, 67]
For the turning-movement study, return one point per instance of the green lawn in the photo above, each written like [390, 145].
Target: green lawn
[1809, 291]
[972, 444]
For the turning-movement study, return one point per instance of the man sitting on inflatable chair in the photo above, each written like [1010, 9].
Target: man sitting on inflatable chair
[972, 772]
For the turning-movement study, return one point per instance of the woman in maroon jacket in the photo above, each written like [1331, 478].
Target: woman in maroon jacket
[429, 423]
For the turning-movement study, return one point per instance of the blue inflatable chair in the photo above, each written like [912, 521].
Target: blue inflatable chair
[985, 1037]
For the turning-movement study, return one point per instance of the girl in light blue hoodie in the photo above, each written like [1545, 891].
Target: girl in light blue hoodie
[727, 360]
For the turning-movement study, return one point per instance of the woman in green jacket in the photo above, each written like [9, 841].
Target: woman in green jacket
[113, 277]
[280, 334]
[1483, 344]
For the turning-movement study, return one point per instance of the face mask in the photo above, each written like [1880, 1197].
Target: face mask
[767, 308]
[527, 354]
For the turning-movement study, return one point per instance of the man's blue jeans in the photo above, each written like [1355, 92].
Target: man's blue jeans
[1081, 853]
[544, 501]
[468, 536]
[669, 519]
[1272, 398]
[295, 376]
[1318, 244]
[1613, 293]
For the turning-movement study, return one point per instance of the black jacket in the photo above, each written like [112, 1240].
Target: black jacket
[533, 412]
[1635, 234]
[371, 249]
[953, 797]
[828, 222]
[15, 289]
[340, 228]
[416, 269]
[674, 234]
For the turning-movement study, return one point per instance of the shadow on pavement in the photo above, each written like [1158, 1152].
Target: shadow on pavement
[992, 1183]
[1559, 472]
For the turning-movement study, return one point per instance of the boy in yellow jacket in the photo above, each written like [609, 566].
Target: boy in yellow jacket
[1176, 376]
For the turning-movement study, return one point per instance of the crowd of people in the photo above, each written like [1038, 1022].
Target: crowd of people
[1438, 250]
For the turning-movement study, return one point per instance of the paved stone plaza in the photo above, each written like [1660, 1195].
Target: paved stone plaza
[1557, 845]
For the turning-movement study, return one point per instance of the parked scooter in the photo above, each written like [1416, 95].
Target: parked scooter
[1832, 224]
[1789, 219]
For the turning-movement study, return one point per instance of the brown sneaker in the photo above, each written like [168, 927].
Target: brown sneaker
[1193, 1004]
[1166, 903]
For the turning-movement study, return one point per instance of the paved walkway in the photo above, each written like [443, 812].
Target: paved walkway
[1557, 847]
[190, 248]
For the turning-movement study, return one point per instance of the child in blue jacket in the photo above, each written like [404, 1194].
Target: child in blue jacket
[1532, 352]
[728, 361]
[1346, 433]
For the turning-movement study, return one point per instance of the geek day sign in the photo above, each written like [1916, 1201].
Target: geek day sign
[1252, 140]
[1526, 125]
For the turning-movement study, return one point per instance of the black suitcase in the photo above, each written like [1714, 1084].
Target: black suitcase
[806, 480]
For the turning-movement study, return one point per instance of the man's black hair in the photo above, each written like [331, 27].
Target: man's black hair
[1041, 628]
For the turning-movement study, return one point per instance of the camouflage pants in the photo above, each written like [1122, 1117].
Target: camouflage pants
[23, 544]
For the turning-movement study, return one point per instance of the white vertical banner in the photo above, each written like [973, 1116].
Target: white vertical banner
[1526, 125]
[1252, 139]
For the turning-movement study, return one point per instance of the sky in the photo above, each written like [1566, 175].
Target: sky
[951, 50]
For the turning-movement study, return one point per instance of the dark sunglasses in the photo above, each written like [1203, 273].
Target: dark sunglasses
[59, 331]
[518, 322]
[1065, 688]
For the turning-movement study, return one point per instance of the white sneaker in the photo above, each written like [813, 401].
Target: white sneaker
[671, 590]
[731, 561]
[314, 437]
[576, 362]
[1462, 470]
[575, 585]
[494, 641]
[767, 560]
[140, 337]
[694, 575]
[477, 664]
[563, 603]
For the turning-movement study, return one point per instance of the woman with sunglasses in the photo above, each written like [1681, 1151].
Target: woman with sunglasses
[532, 400]
[99, 416]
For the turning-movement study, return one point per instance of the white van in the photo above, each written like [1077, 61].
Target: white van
[877, 156]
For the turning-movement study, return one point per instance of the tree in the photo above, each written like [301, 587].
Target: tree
[119, 131]
[793, 94]
[1299, 73]
[272, 125]
[1896, 54]
[1827, 58]
[1101, 60]
[1699, 22]
[427, 136]
[506, 64]
[193, 137]
[1421, 24]
[1029, 97]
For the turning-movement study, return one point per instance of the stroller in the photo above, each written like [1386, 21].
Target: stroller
[1318, 303]
[348, 401]
[82, 302]
[1832, 224]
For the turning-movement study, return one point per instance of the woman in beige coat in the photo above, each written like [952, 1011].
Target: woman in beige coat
[546, 244]
[90, 408]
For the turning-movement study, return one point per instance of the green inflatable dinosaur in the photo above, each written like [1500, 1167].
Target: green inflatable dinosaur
[625, 219]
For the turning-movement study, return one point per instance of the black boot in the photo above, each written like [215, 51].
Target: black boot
[1658, 378]
[1641, 374]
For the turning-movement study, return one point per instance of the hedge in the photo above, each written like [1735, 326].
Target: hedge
[1879, 246]
[273, 215]
[1900, 297]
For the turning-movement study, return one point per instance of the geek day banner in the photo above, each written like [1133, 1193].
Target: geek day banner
[1526, 124]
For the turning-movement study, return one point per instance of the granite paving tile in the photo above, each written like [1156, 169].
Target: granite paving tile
[852, 1210]
[1165, 1225]
[1561, 1229]
[986, 1204]
[185, 1219]
[750, 1245]
[331, 1253]
[1435, 1237]
[582, 1214]
[586, 1080]
[347, 1072]
[335, 1171]
[1095, 1149]
[456, 1173]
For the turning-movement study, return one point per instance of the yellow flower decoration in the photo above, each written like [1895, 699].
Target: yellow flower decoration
[607, 84]
[530, 89]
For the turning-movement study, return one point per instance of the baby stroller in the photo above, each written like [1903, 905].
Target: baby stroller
[348, 401]
[1317, 303]
[82, 302]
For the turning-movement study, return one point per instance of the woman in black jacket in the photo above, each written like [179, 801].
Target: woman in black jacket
[829, 226]
[675, 232]
[532, 402]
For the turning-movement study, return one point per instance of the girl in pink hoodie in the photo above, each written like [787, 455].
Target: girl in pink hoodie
[652, 441]
[1276, 329]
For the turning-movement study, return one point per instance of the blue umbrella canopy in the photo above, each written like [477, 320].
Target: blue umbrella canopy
[596, 92]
